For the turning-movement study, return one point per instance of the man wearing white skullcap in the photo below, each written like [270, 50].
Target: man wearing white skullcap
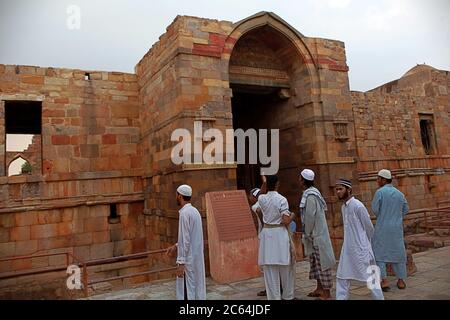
[316, 237]
[190, 284]
[357, 255]
[390, 207]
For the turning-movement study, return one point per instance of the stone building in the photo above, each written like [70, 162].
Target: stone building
[105, 183]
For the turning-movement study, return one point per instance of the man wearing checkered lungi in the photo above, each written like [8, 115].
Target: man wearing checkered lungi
[316, 237]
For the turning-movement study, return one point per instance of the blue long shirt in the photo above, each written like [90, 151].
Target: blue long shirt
[390, 207]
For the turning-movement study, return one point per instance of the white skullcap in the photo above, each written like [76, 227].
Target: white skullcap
[385, 174]
[308, 174]
[185, 190]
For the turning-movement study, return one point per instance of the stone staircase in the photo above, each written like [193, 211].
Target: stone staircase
[434, 235]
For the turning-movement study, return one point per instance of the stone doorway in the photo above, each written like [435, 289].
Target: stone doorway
[252, 109]
[266, 71]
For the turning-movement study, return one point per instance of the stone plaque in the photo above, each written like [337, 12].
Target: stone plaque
[232, 215]
[232, 237]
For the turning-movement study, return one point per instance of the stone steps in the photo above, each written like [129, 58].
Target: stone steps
[435, 239]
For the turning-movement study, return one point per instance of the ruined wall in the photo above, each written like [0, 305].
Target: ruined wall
[32, 154]
[389, 136]
[181, 82]
[90, 158]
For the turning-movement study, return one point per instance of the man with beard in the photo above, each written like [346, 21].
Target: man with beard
[357, 257]
[190, 257]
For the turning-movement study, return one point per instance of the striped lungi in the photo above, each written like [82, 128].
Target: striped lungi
[316, 273]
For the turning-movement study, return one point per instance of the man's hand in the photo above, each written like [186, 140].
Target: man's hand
[172, 251]
[180, 271]
[264, 179]
[286, 220]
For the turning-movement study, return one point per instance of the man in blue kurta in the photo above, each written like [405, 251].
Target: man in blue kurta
[390, 207]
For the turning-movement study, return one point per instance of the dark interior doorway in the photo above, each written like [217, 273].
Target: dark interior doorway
[252, 109]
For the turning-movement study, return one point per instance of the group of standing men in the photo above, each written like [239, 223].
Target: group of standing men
[365, 252]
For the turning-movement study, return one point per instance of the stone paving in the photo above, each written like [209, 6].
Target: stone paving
[431, 282]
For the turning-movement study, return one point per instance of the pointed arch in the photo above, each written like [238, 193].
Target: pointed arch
[270, 19]
[14, 164]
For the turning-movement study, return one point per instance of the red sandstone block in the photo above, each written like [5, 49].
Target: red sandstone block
[32, 79]
[7, 220]
[20, 233]
[53, 113]
[41, 262]
[109, 139]
[120, 163]
[83, 239]
[83, 253]
[60, 140]
[217, 39]
[96, 224]
[22, 264]
[26, 219]
[122, 248]
[62, 100]
[56, 261]
[52, 243]
[101, 237]
[336, 67]
[7, 249]
[139, 245]
[103, 250]
[206, 50]
[65, 228]
[5, 266]
[49, 217]
[136, 162]
[57, 121]
[25, 248]
[44, 231]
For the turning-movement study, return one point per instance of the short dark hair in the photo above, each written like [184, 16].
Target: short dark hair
[185, 198]
[389, 181]
[272, 182]
[308, 183]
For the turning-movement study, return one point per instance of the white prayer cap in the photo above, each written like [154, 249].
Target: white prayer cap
[185, 190]
[308, 174]
[385, 174]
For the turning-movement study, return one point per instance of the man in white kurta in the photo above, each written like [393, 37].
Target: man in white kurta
[275, 254]
[190, 284]
[357, 261]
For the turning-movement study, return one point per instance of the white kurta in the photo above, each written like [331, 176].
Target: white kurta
[190, 253]
[274, 245]
[274, 248]
[357, 254]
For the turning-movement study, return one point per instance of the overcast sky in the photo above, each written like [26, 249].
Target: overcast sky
[384, 38]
